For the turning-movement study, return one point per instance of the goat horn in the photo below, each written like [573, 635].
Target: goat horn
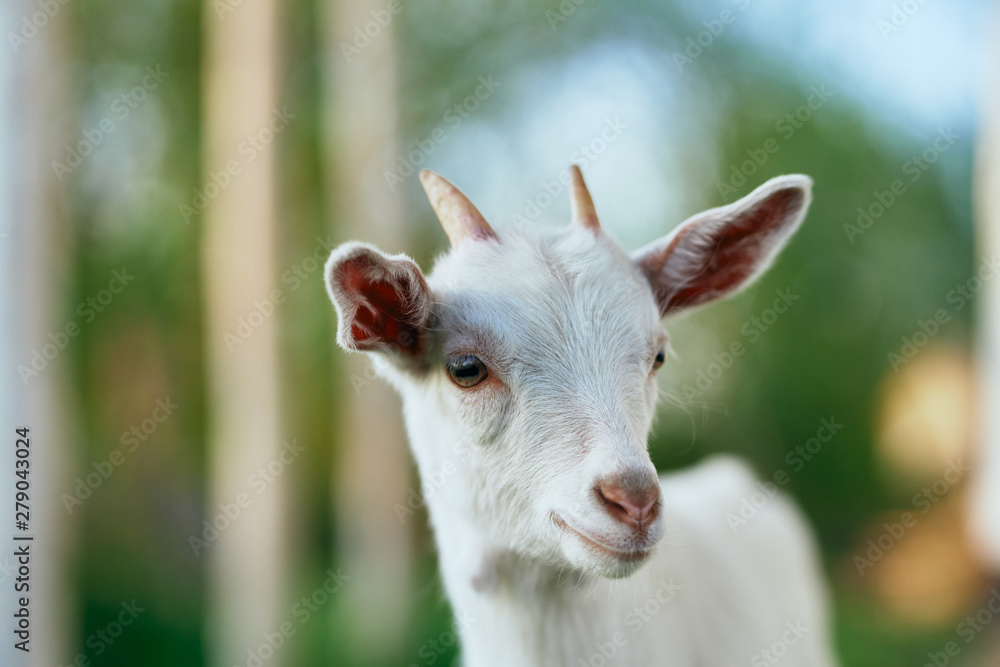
[582, 205]
[458, 216]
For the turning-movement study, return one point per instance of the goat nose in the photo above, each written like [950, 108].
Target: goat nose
[634, 504]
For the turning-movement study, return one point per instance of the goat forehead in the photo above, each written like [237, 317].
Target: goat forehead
[537, 293]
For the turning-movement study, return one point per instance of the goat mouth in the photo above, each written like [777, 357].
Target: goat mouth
[596, 545]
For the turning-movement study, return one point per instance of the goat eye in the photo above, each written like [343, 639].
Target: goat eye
[467, 371]
[658, 361]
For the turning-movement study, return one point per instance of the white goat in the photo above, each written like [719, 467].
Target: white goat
[526, 362]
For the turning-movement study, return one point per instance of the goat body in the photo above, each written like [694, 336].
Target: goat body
[526, 362]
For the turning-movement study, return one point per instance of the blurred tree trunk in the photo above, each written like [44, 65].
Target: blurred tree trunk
[986, 495]
[371, 468]
[36, 249]
[247, 567]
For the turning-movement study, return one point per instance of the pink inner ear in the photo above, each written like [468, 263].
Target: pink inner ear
[735, 249]
[383, 317]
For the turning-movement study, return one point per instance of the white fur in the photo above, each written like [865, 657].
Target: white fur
[568, 328]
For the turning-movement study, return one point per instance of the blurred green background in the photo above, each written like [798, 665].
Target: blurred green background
[671, 107]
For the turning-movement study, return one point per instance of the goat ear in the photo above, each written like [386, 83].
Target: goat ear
[382, 301]
[718, 252]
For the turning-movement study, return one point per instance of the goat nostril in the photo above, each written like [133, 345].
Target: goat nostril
[630, 505]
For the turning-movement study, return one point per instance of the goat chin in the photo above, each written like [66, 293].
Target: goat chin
[594, 557]
[612, 568]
